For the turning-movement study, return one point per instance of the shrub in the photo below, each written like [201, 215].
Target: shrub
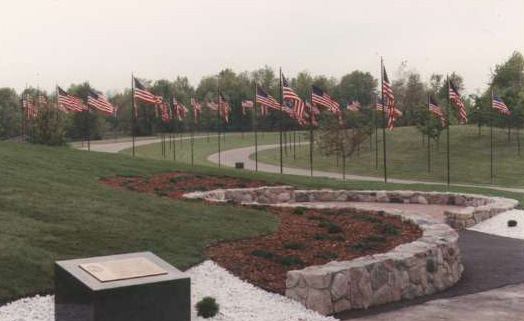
[207, 307]
[333, 228]
[177, 178]
[160, 192]
[315, 218]
[289, 260]
[389, 229]
[368, 243]
[326, 255]
[324, 236]
[375, 238]
[299, 210]
[262, 253]
[294, 245]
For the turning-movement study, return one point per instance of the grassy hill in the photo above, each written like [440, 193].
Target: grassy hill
[52, 207]
[407, 157]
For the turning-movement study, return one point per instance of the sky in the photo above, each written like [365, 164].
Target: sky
[48, 42]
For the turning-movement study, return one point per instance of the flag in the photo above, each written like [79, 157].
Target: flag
[29, 107]
[145, 95]
[225, 109]
[246, 103]
[436, 110]
[100, 102]
[164, 112]
[321, 98]
[379, 105]
[498, 104]
[293, 101]
[389, 98]
[265, 99]
[354, 106]
[197, 108]
[457, 101]
[396, 112]
[70, 102]
[42, 99]
[180, 110]
[213, 106]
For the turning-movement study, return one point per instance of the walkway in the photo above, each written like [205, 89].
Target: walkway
[230, 157]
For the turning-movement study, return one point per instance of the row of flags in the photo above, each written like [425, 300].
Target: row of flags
[292, 104]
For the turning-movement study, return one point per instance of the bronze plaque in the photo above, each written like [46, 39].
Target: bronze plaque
[122, 269]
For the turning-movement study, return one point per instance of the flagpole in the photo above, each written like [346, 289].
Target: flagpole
[88, 116]
[311, 132]
[175, 127]
[133, 111]
[193, 142]
[447, 138]
[255, 125]
[218, 120]
[429, 141]
[383, 120]
[376, 131]
[281, 116]
[491, 136]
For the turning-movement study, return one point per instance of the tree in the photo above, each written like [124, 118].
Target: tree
[10, 113]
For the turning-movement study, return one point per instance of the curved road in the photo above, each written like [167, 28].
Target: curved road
[230, 157]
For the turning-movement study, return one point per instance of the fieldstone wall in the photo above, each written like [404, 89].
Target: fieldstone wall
[477, 208]
[428, 265]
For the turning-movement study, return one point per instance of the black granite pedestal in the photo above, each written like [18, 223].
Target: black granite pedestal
[81, 296]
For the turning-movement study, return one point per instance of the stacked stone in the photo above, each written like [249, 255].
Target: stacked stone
[423, 267]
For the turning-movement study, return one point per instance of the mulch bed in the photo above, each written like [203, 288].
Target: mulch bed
[304, 239]
[174, 184]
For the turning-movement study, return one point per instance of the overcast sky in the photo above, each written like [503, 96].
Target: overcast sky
[43, 42]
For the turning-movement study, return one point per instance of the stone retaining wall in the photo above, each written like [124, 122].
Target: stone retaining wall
[477, 208]
[428, 265]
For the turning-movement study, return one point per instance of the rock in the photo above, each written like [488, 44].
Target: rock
[342, 305]
[339, 287]
[360, 288]
[317, 279]
[320, 301]
[292, 279]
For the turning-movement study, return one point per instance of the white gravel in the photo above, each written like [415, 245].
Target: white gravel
[498, 225]
[238, 300]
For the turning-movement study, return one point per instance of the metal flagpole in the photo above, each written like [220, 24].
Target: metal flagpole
[376, 131]
[447, 138]
[192, 143]
[311, 133]
[491, 136]
[429, 140]
[281, 116]
[218, 119]
[255, 126]
[383, 120]
[88, 116]
[133, 111]
[175, 113]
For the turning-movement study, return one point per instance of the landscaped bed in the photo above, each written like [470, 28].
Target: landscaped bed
[310, 237]
[174, 184]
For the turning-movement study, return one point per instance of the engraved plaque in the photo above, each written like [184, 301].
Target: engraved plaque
[122, 269]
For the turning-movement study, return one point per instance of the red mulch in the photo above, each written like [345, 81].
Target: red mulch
[270, 274]
[174, 184]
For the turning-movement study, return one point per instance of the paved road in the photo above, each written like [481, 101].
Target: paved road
[230, 157]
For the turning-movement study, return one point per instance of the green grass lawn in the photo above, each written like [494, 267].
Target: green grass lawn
[53, 208]
[202, 147]
[408, 158]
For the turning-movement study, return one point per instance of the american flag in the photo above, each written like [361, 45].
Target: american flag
[265, 99]
[197, 108]
[312, 112]
[379, 105]
[498, 104]
[70, 102]
[246, 103]
[297, 105]
[100, 102]
[143, 94]
[164, 112]
[42, 99]
[389, 98]
[321, 98]
[457, 101]
[396, 112]
[436, 110]
[29, 107]
[354, 106]
[212, 105]
[225, 109]
[180, 109]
